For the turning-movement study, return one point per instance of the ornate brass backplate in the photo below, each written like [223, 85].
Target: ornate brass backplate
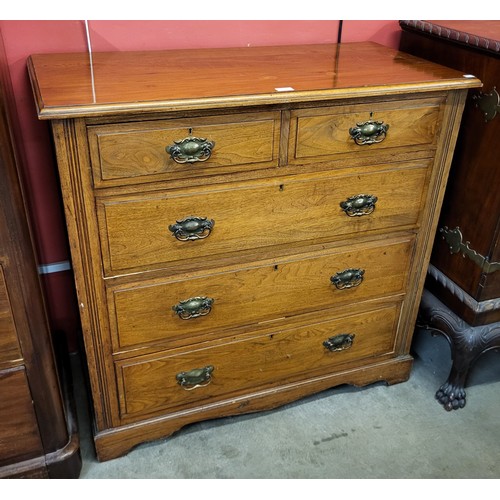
[193, 307]
[339, 342]
[349, 278]
[361, 204]
[369, 132]
[192, 228]
[190, 150]
[198, 377]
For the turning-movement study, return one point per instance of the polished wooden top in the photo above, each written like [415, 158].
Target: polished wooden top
[483, 35]
[71, 85]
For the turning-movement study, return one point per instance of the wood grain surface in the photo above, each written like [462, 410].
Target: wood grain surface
[289, 287]
[283, 162]
[123, 82]
[253, 215]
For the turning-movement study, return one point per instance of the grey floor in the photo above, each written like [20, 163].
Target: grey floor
[375, 432]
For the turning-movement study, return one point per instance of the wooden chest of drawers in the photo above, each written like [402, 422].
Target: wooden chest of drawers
[248, 226]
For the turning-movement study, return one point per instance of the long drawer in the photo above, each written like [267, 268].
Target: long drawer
[179, 310]
[319, 134]
[183, 148]
[146, 232]
[210, 372]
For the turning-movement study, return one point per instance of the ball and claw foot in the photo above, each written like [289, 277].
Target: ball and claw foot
[452, 397]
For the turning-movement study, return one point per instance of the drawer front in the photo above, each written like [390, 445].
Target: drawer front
[328, 133]
[19, 436]
[137, 152]
[9, 345]
[206, 374]
[178, 311]
[136, 236]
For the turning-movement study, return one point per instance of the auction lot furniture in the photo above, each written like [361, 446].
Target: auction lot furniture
[462, 298]
[248, 225]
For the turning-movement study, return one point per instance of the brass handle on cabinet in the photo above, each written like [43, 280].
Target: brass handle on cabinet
[489, 104]
[193, 307]
[192, 228]
[339, 342]
[369, 132]
[190, 150]
[349, 278]
[198, 377]
[361, 204]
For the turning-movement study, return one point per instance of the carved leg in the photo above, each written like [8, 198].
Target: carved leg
[452, 393]
[467, 344]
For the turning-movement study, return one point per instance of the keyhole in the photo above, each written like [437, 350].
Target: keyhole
[282, 187]
[190, 130]
[276, 267]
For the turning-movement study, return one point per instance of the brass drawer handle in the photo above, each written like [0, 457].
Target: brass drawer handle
[361, 204]
[192, 228]
[190, 150]
[193, 307]
[198, 377]
[339, 342]
[369, 132]
[349, 278]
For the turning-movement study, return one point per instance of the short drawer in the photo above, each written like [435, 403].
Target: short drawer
[179, 311]
[183, 148]
[329, 133]
[202, 375]
[146, 232]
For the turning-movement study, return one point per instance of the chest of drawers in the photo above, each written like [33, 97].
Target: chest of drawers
[248, 226]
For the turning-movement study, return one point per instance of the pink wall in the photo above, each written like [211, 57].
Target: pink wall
[22, 38]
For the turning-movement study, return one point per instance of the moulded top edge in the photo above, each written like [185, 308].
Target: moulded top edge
[73, 85]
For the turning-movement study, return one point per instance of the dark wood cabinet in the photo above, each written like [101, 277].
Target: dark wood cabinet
[463, 286]
[38, 437]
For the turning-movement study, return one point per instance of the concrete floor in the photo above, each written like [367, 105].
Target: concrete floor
[376, 432]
